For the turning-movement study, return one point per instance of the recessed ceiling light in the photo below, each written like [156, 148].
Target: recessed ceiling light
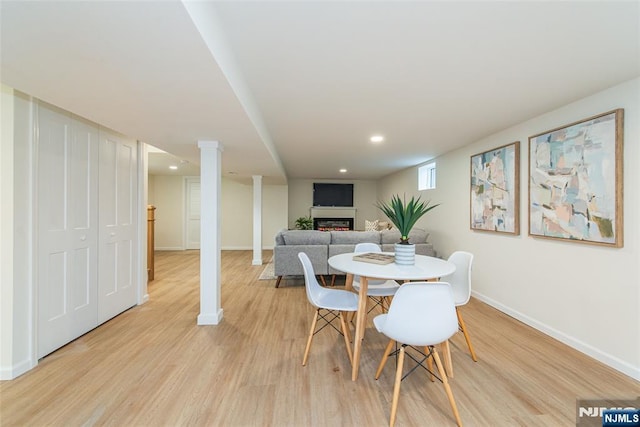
[377, 139]
[173, 167]
[343, 171]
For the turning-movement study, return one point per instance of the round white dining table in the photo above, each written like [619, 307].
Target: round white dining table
[425, 268]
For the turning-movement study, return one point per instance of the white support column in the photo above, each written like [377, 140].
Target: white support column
[257, 220]
[210, 265]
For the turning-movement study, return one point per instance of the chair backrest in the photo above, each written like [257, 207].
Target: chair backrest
[362, 248]
[421, 314]
[367, 247]
[460, 280]
[313, 288]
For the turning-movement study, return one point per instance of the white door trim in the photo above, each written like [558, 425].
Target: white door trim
[143, 188]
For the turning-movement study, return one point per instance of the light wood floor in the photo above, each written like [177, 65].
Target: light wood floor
[154, 366]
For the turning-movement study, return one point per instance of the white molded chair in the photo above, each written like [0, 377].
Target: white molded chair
[460, 282]
[329, 300]
[380, 291]
[422, 314]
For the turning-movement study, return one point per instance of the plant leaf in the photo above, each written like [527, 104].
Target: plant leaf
[405, 215]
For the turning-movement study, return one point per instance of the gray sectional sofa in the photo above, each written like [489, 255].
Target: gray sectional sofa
[320, 245]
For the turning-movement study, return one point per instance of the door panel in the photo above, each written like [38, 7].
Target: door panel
[118, 192]
[67, 182]
[81, 296]
[55, 288]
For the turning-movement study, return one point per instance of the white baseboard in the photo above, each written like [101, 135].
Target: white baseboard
[210, 318]
[609, 360]
[11, 372]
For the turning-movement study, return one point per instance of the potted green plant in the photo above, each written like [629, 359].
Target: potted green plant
[404, 216]
[304, 223]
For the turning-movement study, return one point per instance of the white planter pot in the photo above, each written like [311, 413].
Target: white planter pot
[405, 254]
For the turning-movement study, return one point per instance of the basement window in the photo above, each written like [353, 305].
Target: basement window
[427, 176]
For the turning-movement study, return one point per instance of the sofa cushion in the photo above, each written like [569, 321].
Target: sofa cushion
[416, 235]
[306, 237]
[286, 262]
[353, 237]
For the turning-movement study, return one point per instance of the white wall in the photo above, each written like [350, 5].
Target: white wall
[584, 295]
[237, 214]
[16, 255]
[275, 202]
[167, 194]
[169, 200]
[151, 189]
[6, 228]
[364, 199]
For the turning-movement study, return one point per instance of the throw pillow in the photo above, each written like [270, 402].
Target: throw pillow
[383, 225]
[370, 225]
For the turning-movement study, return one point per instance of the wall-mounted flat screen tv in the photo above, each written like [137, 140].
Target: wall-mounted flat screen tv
[327, 194]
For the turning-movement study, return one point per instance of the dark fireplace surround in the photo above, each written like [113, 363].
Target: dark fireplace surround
[333, 224]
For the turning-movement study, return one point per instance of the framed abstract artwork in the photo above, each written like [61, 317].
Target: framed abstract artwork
[575, 181]
[495, 189]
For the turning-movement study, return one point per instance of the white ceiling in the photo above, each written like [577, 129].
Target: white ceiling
[162, 163]
[295, 89]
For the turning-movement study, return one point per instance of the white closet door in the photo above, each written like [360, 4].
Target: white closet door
[118, 255]
[67, 184]
[193, 213]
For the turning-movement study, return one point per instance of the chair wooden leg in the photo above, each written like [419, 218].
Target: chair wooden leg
[384, 358]
[278, 281]
[396, 388]
[445, 348]
[430, 365]
[466, 335]
[347, 338]
[313, 328]
[348, 282]
[333, 280]
[447, 388]
[352, 316]
[346, 315]
[322, 280]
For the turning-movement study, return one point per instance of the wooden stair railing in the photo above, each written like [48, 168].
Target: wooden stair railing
[150, 241]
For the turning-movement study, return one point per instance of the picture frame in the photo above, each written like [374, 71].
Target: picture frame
[575, 181]
[495, 190]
